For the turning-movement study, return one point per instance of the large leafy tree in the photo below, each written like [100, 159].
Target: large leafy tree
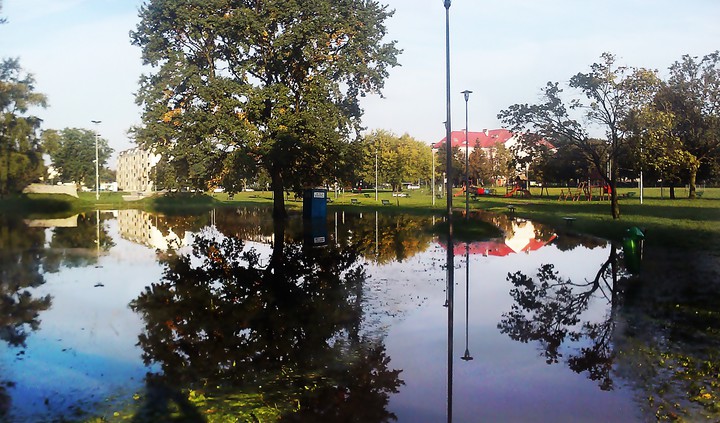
[20, 150]
[399, 158]
[72, 151]
[479, 167]
[692, 98]
[654, 148]
[243, 85]
[609, 96]
[457, 163]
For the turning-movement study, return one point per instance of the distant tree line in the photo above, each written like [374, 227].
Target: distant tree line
[269, 96]
[624, 120]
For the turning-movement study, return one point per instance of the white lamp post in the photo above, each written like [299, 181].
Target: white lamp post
[376, 174]
[97, 162]
[432, 153]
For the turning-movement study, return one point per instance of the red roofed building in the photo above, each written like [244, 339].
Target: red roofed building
[485, 139]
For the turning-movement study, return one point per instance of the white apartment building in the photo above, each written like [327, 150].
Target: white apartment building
[134, 170]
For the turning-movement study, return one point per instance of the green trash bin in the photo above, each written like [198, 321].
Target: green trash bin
[633, 248]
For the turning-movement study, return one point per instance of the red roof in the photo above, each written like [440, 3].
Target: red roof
[486, 138]
[495, 247]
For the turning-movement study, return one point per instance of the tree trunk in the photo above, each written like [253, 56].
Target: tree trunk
[672, 191]
[278, 188]
[614, 203]
[693, 180]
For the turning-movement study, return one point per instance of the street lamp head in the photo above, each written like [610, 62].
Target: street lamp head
[467, 93]
[447, 4]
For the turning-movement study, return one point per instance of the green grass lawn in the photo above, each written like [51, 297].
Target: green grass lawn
[680, 223]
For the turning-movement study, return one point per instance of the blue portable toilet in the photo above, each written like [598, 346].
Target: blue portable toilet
[315, 203]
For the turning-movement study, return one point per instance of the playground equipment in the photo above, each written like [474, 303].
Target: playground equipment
[519, 188]
[587, 191]
[475, 191]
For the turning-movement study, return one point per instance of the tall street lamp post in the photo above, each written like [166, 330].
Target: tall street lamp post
[376, 174]
[448, 125]
[466, 93]
[432, 152]
[97, 162]
[450, 258]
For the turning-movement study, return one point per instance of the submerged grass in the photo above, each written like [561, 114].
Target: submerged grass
[674, 223]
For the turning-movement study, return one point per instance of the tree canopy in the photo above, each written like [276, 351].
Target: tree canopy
[72, 151]
[399, 159]
[240, 86]
[687, 109]
[609, 97]
[20, 150]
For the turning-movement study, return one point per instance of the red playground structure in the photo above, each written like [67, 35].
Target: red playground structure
[518, 187]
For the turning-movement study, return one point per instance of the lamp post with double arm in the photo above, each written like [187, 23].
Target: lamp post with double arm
[466, 94]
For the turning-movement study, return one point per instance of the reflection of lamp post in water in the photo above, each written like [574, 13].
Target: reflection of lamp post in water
[377, 238]
[450, 297]
[97, 239]
[467, 356]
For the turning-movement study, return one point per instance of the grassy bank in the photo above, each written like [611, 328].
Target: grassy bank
[679, 223]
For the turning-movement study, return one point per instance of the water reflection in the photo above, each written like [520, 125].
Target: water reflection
[658, 333]
[75, 241]
[549, 310]
[384, 238]
[242, 335]
[450, 303]
[21, 254]
[282, 331]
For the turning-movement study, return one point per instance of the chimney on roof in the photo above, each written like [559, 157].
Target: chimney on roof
[485, 131]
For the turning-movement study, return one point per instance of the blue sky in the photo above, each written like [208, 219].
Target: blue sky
[502, 50]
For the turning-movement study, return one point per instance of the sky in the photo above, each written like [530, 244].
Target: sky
[504, 51]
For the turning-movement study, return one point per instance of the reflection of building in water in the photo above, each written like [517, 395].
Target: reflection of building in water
[522, 236]
[140, 227]
[67, 222]
[133, 169]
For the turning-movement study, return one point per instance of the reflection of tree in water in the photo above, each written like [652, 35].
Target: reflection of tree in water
[670, 349]
[76, 246]
[248, 223]
[178, 224]
[396, 237]
[569, 243]
[664, 339]
[549, 310]
[282, 338]
[20, 256]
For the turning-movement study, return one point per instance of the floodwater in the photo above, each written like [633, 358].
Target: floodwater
[372, 317]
